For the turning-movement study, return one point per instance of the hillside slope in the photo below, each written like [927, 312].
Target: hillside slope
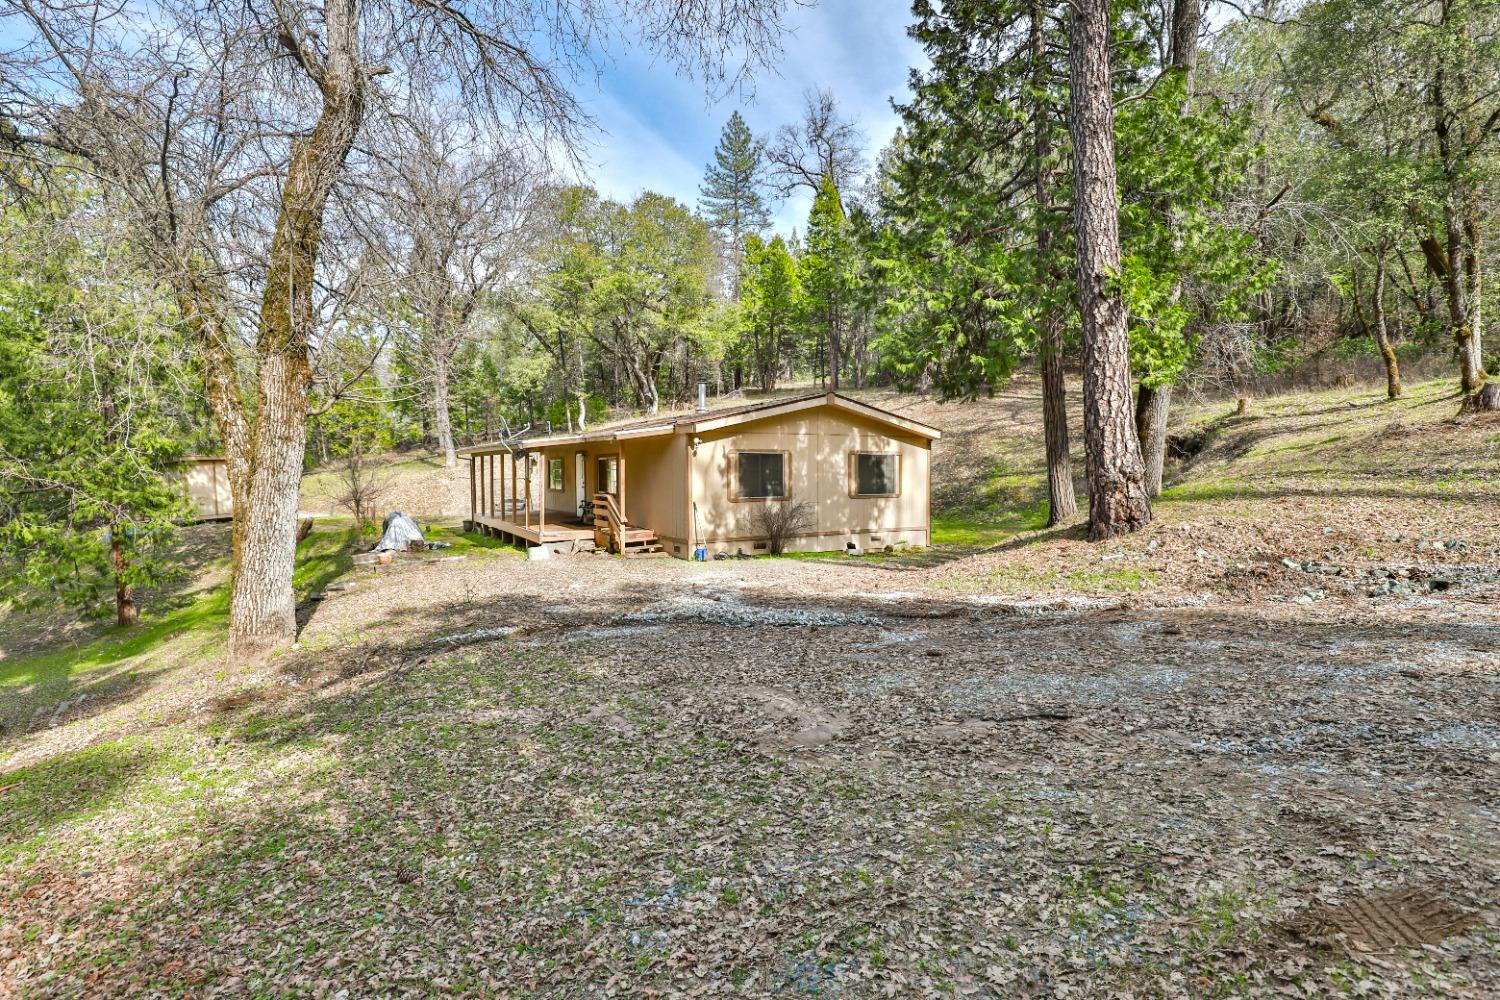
[1173, 764]
[1344, 480]
[1340, 477]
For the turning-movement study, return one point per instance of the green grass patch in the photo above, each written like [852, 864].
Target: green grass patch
[324, 556]
[1209, 489]
[117, 643]
[106, 666]
[117, 659]
[973, 529]
[470, 542]
[1121, 580]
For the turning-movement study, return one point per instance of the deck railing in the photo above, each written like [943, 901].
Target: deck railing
[607, 519]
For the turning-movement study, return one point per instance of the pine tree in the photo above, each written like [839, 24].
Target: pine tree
[1117, 491]
[980, 197]
[92, 412]
[731, 196]
[772, 300]
[830, 269]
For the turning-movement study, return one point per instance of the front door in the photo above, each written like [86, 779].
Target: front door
[581, 485]
[607, 479]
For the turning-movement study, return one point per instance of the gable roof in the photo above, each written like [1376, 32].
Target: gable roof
[695, 422]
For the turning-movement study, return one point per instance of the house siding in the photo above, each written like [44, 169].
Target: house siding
[679, 482]
[818, 444]
[654, 469]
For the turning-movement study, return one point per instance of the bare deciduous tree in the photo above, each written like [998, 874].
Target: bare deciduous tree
[462, 211]
[223, 130]
[823, 144]
[360, 486]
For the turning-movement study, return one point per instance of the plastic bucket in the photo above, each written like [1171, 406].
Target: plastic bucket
[700, 553]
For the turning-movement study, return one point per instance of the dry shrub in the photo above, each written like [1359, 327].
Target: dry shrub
[779, 520]
[360, 487]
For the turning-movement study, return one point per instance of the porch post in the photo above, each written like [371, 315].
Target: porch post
[473, 496]
[541, 506]
[528, 489]
[501, 494]
[620, 475]
[514, 508]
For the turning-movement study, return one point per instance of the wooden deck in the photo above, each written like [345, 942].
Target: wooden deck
[565, 531]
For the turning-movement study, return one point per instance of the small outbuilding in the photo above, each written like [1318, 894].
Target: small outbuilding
[859, 475]
[206, 480]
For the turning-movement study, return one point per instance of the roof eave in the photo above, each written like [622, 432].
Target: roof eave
[809, 402]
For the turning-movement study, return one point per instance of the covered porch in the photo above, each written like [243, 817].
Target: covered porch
[506, 488]
[554, 494]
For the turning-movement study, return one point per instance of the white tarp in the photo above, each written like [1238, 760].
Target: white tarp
[399, 531]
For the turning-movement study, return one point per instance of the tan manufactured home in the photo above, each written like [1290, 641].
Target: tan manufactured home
[678, 483]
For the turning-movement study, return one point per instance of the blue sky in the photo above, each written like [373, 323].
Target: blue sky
[657, 130]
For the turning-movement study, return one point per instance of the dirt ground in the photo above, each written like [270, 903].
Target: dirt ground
[1251, 751]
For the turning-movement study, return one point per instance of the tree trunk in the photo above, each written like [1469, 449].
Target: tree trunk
[1118, 501]
[262, 610]
[1486, 400]
[1461, 282]
[1152, 407]
[1062, 504]
[125, 610]
[440, 416]
[1154, 402]
[1382, 334]
[1187, 21]
[1462, 268]
[833, 358]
